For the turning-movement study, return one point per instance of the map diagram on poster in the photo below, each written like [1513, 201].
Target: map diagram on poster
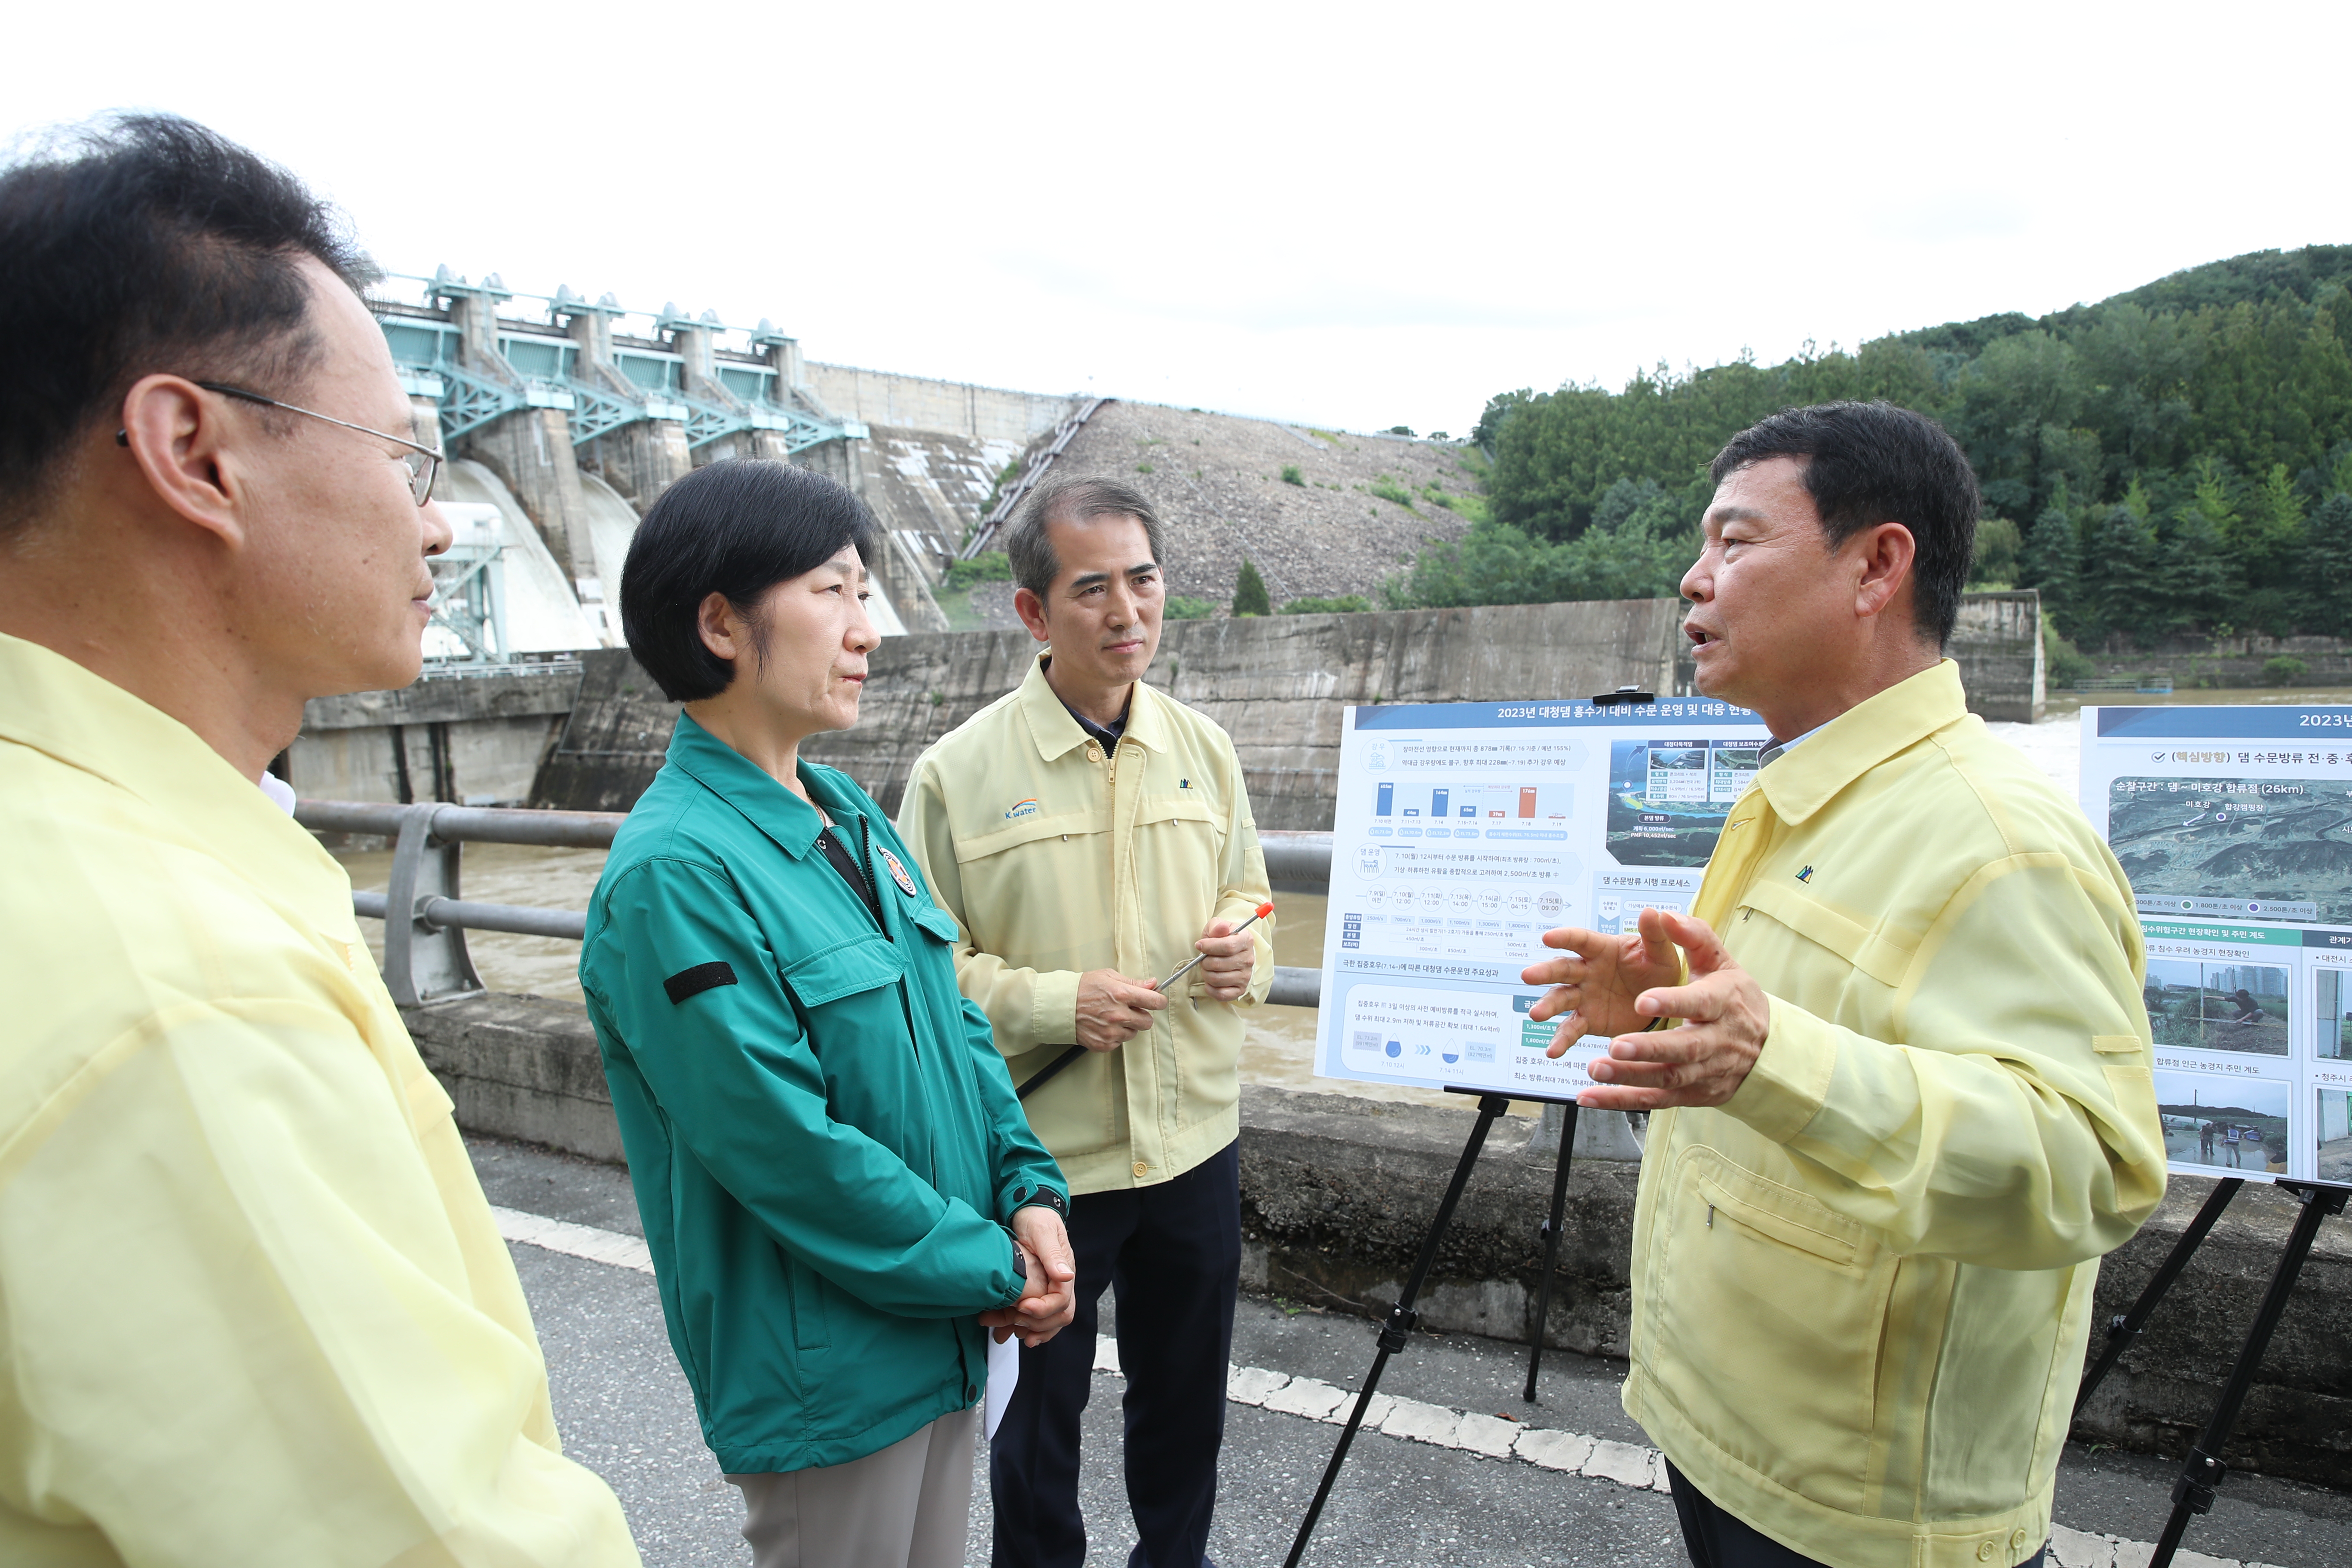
[1467, 830]
[2235, 827]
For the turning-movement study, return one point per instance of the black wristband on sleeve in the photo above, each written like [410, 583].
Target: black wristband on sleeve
[1040, 1197]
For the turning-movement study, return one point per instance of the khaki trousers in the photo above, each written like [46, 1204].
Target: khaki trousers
[906, 1506]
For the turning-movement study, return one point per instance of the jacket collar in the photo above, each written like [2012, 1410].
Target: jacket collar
[1840, 751]
[1056, 733]
[54, 706]
[792, 822]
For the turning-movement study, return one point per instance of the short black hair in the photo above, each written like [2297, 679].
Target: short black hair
[140, 244]
[738, 528]
[1868, 463]
[1029, 549]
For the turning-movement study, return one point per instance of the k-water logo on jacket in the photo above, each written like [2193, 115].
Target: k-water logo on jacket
[1024, 808]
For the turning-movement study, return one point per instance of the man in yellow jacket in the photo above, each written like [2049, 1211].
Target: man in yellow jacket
[1900, 1061]
[257, 1309]
[1090, 835]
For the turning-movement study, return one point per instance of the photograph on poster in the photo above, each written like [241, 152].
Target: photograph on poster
[2331, 1030]
[2235, 1124]
[1667, 803]
[2259, 841]
[2218, 1006]
[2335, 1135]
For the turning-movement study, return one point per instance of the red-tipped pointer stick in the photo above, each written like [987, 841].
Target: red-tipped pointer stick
[1264, 910]
[1039, 1080]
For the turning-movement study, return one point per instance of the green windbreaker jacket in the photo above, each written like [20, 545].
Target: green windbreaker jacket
[822, 1134]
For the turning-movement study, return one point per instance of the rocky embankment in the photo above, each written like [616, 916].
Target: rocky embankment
[1361, 506]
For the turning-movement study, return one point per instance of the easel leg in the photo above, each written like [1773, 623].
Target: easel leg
[2193, 1493]
[2122, 1331]
[1551, 1243]
[1402, 1317]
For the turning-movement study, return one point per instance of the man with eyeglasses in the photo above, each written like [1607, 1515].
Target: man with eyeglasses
[257, 1309]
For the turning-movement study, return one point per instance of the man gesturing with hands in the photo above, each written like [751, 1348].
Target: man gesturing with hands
[1896, 1051]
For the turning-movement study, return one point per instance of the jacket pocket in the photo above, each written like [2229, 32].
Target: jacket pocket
[1885, 957]
[845, 968]
[810, 1329]
[1768, 1311]
[936, 920]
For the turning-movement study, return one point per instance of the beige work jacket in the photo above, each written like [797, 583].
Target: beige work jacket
[1056, 858]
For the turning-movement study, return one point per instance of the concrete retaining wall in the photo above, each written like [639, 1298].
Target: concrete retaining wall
[1279, 684]
[478, 740]
[2230, 662]
[1338, 1191]
[884, 397]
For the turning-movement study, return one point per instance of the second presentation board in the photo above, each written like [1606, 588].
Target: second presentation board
[2235, 827]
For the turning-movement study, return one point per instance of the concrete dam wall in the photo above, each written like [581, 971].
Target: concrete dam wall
[1278, 684]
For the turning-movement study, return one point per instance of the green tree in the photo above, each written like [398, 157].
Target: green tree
[2118, 577]
[2329, 533]
[1250, 597]
[2194, 582]
[2051, 559]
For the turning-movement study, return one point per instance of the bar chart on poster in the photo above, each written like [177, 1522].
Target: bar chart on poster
[2234, 825]
[1467, 830]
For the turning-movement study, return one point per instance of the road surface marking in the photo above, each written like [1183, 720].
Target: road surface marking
[1407, 1420]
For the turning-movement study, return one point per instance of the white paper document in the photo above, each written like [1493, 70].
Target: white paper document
[1004, 1374]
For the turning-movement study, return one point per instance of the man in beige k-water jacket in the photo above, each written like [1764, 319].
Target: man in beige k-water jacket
[1090, 835]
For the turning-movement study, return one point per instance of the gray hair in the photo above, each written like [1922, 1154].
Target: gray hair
[1031, 551]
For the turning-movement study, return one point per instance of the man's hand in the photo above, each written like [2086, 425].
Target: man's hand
[1047, 1302]
[1225, 973]
[1113, 1009]
[1705, 1059]
[1593, 989]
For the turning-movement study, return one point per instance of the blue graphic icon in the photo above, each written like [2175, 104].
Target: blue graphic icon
[1396, 1047]
[1453, 1056]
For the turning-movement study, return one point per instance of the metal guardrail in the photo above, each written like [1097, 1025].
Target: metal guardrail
[424, 957]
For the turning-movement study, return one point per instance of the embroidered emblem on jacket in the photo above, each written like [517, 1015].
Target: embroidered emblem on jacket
[1806, 875]
[899, 874]
[1024, 808]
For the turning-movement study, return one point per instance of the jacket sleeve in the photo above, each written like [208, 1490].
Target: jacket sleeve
[1244, 884]
[1023, 1166]
[732, 1068]
[1026, 1009]
[2015, 1127]
[246, 1323]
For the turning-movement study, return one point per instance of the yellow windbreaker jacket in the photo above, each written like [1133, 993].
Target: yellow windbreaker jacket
[257, 1310]
[1055, 860]
[1862, 1287]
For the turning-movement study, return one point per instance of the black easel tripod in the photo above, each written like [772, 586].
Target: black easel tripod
[2193, 1493]
[1402, 1318]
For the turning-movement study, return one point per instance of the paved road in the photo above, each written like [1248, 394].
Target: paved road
[626, 1411]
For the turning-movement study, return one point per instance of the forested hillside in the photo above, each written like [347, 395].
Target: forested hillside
[2174, 458]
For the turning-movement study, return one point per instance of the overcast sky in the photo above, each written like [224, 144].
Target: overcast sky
[1356, 215]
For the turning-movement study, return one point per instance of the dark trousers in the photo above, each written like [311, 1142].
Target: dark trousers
[1173, 1253]
[1718, 1540]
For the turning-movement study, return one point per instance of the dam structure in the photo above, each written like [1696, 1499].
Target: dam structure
[564, 418]
[570, 416]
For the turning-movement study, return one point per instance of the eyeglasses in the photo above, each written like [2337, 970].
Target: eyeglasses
[423, 464]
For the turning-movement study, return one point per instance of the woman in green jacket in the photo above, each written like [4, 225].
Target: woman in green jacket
[839, 1190]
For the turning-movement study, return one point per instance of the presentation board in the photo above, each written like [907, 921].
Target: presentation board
[1463, 831]
[2234, 825]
